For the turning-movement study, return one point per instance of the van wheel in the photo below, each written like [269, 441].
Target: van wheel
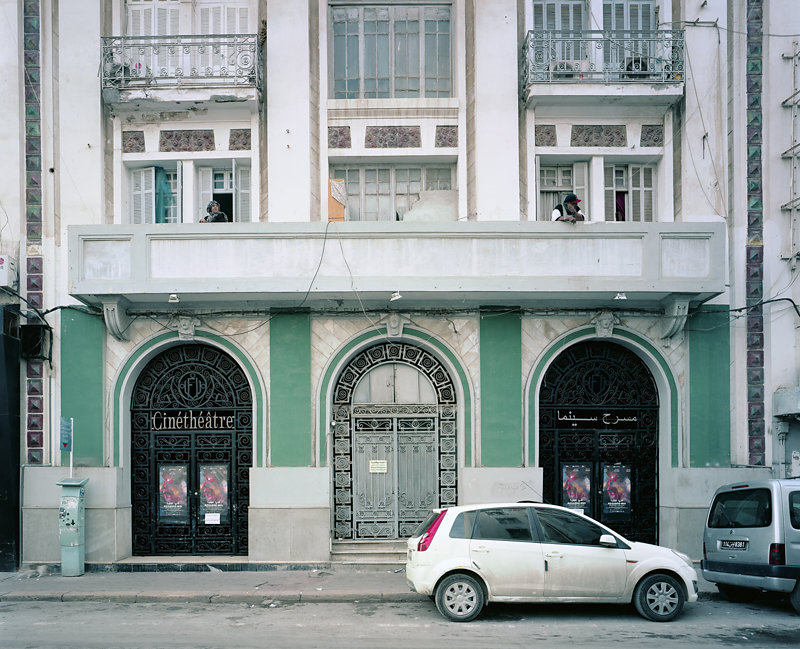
[794, 598]
[736, 593]
[659, 598]
[459, 598]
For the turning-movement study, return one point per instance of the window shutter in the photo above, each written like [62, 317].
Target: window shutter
[580, 175]
[648, 194]
[142, 195]
[204, 184]
[179, 192]
[243, 194]
[610, 191]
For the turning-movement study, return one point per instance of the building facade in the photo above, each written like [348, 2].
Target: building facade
[391, 320]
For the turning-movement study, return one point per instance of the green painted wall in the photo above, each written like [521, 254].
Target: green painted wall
[290, 390]
[501, 389]
[709, 388]
[82, 385]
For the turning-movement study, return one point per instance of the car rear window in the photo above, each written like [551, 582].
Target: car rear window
[424, 525]
[743, 508]
[794, 509]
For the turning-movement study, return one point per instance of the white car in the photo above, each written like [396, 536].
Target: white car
[464, 557]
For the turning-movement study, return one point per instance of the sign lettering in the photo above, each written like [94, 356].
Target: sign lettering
[191, 420]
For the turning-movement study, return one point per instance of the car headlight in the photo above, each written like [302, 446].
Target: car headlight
[684, 557]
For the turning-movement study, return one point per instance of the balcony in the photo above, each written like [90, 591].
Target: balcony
[644, 67]
[165, 69]
[354, 265]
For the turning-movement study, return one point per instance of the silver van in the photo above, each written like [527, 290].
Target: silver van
[752, 539]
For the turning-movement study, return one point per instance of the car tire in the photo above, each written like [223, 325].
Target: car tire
[736, 593]
[659, 598]
[459, 598]
[794, 597]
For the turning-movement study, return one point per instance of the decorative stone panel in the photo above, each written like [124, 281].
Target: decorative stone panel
[339, 137]
[652, 135]
[446, 136]
[545, 135]
[133, 141]
[599, 135]
[239, 139]
[179, 141]
[393, 137]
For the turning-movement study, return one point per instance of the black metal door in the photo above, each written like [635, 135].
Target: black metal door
[598, 437]
[191, 414]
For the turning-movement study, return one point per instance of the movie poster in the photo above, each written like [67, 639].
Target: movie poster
[213, 479]
[576, 485]
[173, 504]
[616, 489]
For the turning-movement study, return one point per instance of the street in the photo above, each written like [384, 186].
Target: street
[94, 625]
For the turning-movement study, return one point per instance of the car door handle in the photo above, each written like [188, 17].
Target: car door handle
[554, 555]
[481, 548]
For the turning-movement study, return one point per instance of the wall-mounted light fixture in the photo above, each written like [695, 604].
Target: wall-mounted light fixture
[395, 296]
[173, 298]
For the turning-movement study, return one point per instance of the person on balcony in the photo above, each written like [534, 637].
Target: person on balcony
[214, 215]
[568, 210]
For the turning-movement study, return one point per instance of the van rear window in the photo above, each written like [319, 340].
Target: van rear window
[745, 508]
[794, 509]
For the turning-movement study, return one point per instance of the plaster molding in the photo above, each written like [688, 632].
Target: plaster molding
[676, 310]
[116, 317]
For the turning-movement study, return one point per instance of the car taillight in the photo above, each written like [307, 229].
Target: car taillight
[777, 554]
[427, 537]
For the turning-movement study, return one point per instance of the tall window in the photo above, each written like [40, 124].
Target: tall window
[387, 192]
[391, 51]
[565, 18]
[629, 192]
[154, 196]
[556, 181]
[627, 50]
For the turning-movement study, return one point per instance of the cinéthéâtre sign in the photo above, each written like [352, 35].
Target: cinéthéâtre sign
[192, 420]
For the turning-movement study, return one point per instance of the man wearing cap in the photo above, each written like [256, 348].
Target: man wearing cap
[569, 210]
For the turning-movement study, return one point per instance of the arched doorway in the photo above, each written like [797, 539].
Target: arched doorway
[394, 442]
[598, 437]
[191, 451]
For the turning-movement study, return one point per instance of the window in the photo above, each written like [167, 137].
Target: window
[629, 192]
[391, 51]
[566, 18]
[743, 508]
[563, 527]
[556, 181]
[387, 192]
[229, 186]
[626, 51]
[462, 526]
[154, 196]
[794, 509]
[503, 524]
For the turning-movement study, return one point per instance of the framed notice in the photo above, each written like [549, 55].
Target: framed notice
[173, 503]
[617, 489]
[576, 486]
[213, 493]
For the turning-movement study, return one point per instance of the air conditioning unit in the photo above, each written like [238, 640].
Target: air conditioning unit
[568, 69]
[637, 67]
[8, 272]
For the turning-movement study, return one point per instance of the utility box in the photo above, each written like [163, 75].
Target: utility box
[71, 526]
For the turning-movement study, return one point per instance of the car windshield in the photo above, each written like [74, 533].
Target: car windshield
[744, 508]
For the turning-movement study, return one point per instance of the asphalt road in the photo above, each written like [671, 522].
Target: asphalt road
[92, 625]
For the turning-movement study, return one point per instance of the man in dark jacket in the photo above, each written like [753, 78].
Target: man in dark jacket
[568, 210]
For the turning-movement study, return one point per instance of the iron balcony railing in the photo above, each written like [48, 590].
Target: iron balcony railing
[602, 56]
[227, 60]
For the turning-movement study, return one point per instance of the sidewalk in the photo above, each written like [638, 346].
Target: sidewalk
[258, 588]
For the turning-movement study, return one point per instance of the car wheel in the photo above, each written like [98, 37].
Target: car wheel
[459, 598]
[794, 598]
[735, 593]
[659, 598]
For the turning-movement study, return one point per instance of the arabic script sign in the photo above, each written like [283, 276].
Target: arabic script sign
[594, 418]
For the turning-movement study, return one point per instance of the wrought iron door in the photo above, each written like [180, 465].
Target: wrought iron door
[598, 437]
[394, 469]
[416, 442]
[191, 413]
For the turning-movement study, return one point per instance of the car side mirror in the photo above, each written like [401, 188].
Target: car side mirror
[608, 541]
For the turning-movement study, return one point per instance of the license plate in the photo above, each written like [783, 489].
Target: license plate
[733, 545]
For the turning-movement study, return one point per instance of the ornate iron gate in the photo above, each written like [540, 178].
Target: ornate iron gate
[191, 436]
[598, 437]
[392, 463]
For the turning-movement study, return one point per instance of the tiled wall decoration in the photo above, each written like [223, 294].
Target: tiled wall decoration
[239, 139]
[385, 137]
[339, 137]
[196, 140]
[545, 135]
[33, 221]
[133, 141]
[754, 251]
[446, 136]
[599, 135]
[652, 135]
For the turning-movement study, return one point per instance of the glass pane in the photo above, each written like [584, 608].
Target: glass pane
[214, 505]
[503, 524]
[744, 508]
[565, 527]
[173, 502]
